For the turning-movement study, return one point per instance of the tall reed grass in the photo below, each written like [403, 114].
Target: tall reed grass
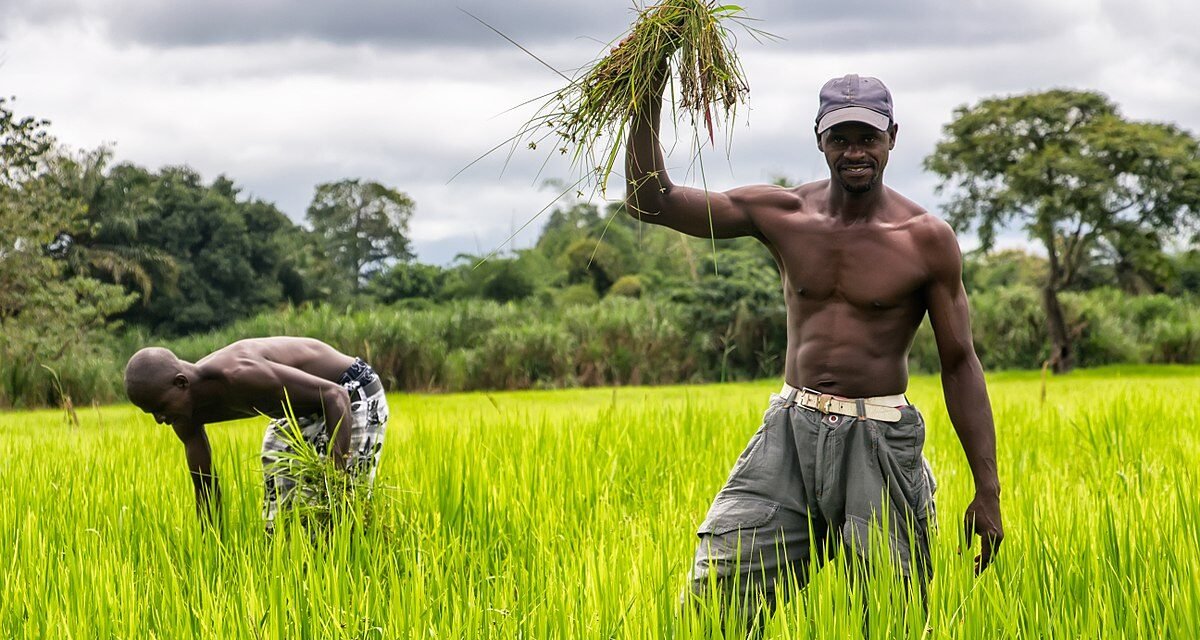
[472, 344]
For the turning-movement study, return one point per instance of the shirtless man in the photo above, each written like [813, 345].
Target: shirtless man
[324, 387]
[840, 446]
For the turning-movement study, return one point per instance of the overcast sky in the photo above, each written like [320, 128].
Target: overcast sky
[282, 95]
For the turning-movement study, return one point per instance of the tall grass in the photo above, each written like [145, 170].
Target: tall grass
[473, 345]
[570, 514]
[485, 345]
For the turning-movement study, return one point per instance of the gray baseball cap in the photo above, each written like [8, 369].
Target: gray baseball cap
[855, 99]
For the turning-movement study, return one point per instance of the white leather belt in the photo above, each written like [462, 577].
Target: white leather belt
[883, 408]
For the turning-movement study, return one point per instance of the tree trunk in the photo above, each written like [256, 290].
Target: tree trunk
[1061, 359]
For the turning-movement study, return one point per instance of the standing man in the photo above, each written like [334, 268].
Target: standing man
[839, 449]
[338, 402]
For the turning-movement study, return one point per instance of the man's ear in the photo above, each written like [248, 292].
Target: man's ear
[820, 146]
[180, 381]
[892, 134]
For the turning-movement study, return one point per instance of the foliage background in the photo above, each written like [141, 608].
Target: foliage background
[98, 260]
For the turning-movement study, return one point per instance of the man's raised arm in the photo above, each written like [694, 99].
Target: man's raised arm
[199, 462]
[650, 195]
[964, 388]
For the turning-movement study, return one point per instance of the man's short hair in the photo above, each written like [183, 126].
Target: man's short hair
[149, 371]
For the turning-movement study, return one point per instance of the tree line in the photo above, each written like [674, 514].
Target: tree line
[97, 258]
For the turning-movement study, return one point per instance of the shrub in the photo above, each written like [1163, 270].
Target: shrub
[627, 287]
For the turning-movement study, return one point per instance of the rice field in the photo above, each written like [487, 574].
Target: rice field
[570, 514]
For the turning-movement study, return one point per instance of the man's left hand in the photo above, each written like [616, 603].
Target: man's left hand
[983, 519]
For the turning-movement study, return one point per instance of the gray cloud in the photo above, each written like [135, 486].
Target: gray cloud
[405, 23]
[849, 26]
[281, 96]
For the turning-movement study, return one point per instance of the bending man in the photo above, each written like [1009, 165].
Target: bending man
[338, 402]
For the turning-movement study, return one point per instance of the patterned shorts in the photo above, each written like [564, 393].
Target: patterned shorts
[369, 406]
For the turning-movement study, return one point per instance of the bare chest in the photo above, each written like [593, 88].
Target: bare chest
[873, 269]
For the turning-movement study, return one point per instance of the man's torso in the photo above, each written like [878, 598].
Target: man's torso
[251, 360]
[854, 294]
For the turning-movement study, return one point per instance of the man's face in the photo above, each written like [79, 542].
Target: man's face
[172, 405]
[856, 154]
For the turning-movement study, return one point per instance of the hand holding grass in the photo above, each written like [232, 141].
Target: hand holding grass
[592, 114]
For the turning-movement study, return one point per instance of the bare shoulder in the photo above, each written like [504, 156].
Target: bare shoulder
[766, 198]
[933, 232]
[811, 194]
[238, 364]
[937, 243]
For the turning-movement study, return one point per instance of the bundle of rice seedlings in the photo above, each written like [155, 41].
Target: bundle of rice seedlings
[592, 114]
[323, 493]
[590, 117]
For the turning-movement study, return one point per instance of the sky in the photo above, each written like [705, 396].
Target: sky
[283, 95]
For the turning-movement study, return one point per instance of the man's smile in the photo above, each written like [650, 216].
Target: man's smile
[856, 169]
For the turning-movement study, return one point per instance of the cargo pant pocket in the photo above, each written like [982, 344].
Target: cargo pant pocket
[928, 509]
[759, 461]
[733, 513]
[733, 539]
[906, 440]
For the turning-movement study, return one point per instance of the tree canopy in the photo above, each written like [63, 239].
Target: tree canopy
[1080, 179]
[48, 316]
[363, 226]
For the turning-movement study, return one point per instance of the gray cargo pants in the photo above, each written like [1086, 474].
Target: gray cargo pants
[807, 482]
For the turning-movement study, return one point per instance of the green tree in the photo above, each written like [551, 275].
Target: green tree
[407, 280]
[506, 280]
[503, 279]
[1078, 177]
[29, 216]
[234, 256]
[567, 224]
[47, 316]
[629, 286]
[103, 242]
[594, 261]
[1186, 266]
[34, 211]
[364, 226]
[996, 269]
[738, 308]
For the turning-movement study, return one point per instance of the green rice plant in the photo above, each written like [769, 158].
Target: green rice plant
[572, 514]
[65, 402]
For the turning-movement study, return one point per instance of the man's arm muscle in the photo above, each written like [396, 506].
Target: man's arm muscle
[963, 385]
[199, 462]
[652, 197]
